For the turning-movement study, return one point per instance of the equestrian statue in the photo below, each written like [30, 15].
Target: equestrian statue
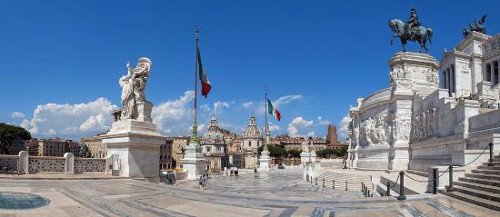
[411, 31]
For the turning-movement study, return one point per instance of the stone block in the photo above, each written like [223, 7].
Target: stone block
[69, 163]
[23, 162]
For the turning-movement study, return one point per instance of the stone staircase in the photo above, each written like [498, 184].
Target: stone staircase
[353, 181]
[481, 186]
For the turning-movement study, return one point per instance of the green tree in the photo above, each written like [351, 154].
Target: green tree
[84, 151]
[294, 153]
[274, 151]
[10, 133]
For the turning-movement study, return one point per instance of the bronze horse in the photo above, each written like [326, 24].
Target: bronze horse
[419, 34]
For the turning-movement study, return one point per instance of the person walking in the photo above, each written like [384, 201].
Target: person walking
[200, 182]
[255, 172]
[205, 181]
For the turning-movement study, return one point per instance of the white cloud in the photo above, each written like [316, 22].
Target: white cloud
[17, 115]
[220, 105]
[321, 121]
[281, 101]
[247, 105]
[205, 108]
[273, 128]
[52, 132]
[344, 127]
[172, 116]
[92, 122]
[70, 120]
[286, 99]
[298, 122]
[311, 134]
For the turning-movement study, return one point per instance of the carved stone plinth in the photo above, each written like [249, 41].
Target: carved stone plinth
[193, 162]
[136, 147]
[264, 160]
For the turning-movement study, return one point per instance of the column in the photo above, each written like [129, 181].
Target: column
[453, 79]
[443, 84]
[495, 71]
[449, 79]
[488, 72]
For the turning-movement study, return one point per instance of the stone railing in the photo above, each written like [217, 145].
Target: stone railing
[37, 164]
[23, 164]
[88, 165]
[8, 162]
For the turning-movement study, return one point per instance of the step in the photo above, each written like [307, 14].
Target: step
[396, 186]
[494, 163]
[480, 181]
[474, 200]
[485, 167]
[482, 176]
[486, 171]
[382, 190]
[478, 193]
[416, 172]
[477, 186]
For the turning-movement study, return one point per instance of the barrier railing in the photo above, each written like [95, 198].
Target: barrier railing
[436, 175]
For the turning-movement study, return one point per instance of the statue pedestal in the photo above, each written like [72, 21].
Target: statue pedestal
[264, 161]
[193, 162]
[304, 158]
[136, 145]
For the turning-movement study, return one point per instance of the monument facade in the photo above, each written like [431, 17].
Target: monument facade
[417, 124]
[133, 142]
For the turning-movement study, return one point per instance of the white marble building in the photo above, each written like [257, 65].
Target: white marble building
[416, 124]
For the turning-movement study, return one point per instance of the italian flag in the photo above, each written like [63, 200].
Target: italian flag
[273, 111]
[205, 83]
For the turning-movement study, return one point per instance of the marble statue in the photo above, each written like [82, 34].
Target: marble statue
[135, 105]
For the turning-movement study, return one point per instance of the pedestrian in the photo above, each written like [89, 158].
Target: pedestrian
[236, 172]
[200, 182]
[205, 180]
[255, 172]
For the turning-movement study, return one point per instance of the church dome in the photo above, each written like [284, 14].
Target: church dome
[252, 129]
[213, 132]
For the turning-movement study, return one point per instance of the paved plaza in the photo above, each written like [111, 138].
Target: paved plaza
[278, 193]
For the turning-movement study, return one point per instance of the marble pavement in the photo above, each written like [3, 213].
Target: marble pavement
[276, 193]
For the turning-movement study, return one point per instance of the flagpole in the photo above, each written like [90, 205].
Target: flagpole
[194, 134]
[266, 128]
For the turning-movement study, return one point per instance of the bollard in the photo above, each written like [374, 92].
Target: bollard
[402, 186]
[346, 185]
[362, 186]
[450, 168]
[491, 154]
[316, 181]
[323, 183]
[388, 193]
[333, 184]
[435, 181]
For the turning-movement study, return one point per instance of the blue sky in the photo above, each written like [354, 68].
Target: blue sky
[61, 59]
